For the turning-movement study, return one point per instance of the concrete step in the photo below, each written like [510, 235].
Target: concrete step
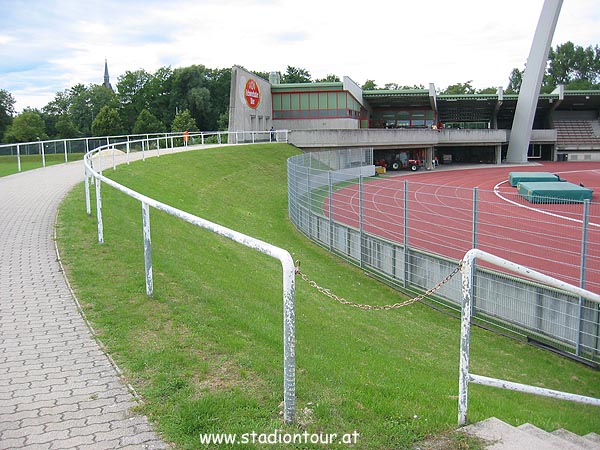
[582, 442]
[499, 435]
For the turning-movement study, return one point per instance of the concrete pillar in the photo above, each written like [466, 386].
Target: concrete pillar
[532, 81]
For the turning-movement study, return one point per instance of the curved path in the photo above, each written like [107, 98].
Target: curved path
[58, 389]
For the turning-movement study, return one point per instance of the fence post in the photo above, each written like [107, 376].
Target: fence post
[475, 239]
[582, 270]
[157, 147]
[406, 265]
[147, 249]
[143, 153]
[127, 150]
[18, 157]
[465, 340]
[330, 182]
[65, 144]
[361, 218]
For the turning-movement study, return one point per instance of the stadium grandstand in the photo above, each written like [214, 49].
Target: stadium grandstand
[473, 128]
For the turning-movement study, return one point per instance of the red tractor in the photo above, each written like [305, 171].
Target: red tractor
[396, 160]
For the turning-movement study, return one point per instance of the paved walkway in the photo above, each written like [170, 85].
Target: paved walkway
[57, 388]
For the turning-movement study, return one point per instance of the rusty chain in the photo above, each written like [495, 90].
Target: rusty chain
[364, 307]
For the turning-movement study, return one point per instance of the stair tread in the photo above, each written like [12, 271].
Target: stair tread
[582, 442]
[549, 437]
[503, 436]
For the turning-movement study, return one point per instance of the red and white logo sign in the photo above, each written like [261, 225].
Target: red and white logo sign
[252, 94]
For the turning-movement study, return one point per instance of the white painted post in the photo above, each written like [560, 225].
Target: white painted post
[147, 249]
[18, 158]
[43, 154]
[65, 144]
[86, 179]
[99, 212]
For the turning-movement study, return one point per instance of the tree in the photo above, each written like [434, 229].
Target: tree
[460, 89]
[147, 123]
[184, 122]
[7, 110]
[488, 90]
[65, 128]
[296, 75]
[132, 96]
[330, 78]
[107, 123]
[27, 127]
[573, 65]
[514, 81]
[369, 85]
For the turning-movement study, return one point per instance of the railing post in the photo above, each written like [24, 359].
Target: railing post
[143, 152]
[289, 339]
[86, 179]
[157, 147]
[99, 212]
[127, 150]
[465, 340]
[147, 249]
[65, 145]
[43, 154]
[18, 157]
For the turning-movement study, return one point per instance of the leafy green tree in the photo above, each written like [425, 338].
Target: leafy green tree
[330, 78]
[147, 123]
[369, 85]
[27, 127]
[86, 104]
[132, 95]
[107, 122]
[296, 75]
[488, 90]
[191, 92]
[7, 110]
[460, 89]
[65, 128]
[572, 63]
[514, 81]
[184, 122]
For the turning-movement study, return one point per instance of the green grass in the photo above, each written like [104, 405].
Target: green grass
[206, 352]
[9, 164]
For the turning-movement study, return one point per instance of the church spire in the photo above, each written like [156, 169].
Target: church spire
[106, 77]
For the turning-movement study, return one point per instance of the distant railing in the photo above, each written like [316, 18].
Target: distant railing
[137, 142]
[93, 170]
[467, 269]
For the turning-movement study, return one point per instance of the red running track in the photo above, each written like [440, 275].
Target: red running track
[545, 237]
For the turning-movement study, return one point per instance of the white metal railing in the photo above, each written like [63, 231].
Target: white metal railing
[467, 269]
[93, 169]
[66, 145]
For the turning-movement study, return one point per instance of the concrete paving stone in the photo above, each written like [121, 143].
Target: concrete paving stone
[47, 437]
[16, 416]
[23, 432]
[74, 442]
[89, 429]
[12, 443]
[48, 420]
[102, 445]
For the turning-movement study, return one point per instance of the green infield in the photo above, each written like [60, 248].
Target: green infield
[205, 353]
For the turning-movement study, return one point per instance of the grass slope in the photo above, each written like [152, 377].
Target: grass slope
[206, 352]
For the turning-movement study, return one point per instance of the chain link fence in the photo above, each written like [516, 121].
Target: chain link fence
[412, 235]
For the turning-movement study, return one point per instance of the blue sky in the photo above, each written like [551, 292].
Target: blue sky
[47, 46]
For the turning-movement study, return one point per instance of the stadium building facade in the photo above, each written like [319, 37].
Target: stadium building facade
[472, 128]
